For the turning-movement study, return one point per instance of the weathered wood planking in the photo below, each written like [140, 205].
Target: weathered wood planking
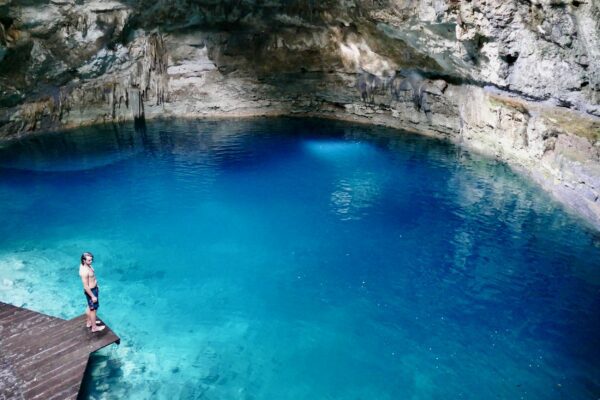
[43, 357]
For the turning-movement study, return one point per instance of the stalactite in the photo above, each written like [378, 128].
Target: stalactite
[3, 41]
[400, 86]
[118, 95]
[112, 101]
[154, 78]
[147, 80]
[136, 102]
[369, 84]
[33, 113]
[64, 104]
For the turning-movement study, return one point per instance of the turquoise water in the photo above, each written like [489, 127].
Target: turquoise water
[297, 259]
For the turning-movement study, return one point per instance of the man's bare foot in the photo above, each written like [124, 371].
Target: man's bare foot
[98, 328]
[98, 322]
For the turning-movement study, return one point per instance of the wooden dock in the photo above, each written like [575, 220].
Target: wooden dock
[43, 357]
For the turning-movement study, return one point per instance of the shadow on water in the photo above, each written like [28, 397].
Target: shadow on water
[102, 367]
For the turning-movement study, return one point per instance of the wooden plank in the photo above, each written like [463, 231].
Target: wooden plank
[10, 307]
[31, 336]
[31, 323]
[10, 322]
[10, 387]
[28, 327]
[16, 318]
[6, 312]
[17, 313]
[40, 365]
[41, 339]
[67, 342]
[44, 357]
[70, 393]
[42, 371]
[36, 388]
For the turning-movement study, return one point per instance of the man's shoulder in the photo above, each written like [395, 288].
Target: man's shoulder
[82, 271]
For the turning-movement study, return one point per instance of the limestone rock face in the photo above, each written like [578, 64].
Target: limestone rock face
[545, 50]
[516, 79]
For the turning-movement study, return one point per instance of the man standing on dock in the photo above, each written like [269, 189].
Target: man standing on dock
[90, 289]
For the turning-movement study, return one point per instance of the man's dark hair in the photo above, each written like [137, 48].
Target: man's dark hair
[86, 254]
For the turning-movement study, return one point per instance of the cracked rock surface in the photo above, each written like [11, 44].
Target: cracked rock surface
[517, 79]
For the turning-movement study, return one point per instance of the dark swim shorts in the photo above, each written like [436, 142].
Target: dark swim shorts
[91, 304]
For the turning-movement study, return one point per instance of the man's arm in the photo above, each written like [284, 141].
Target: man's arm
[86, 286]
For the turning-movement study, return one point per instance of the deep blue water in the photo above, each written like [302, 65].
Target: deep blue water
[299, 259]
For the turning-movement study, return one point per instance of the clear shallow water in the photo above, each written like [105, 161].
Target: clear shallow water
[291, 259]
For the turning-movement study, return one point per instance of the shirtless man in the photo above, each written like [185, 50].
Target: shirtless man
[90, 289]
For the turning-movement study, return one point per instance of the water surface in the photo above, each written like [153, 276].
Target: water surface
[296, 259]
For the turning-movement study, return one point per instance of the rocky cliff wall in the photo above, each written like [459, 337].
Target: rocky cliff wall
[516, 79]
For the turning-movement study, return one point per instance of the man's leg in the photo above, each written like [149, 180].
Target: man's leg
[95, 328]
[89, 321]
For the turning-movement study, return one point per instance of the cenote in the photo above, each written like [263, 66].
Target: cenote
[297, 259]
